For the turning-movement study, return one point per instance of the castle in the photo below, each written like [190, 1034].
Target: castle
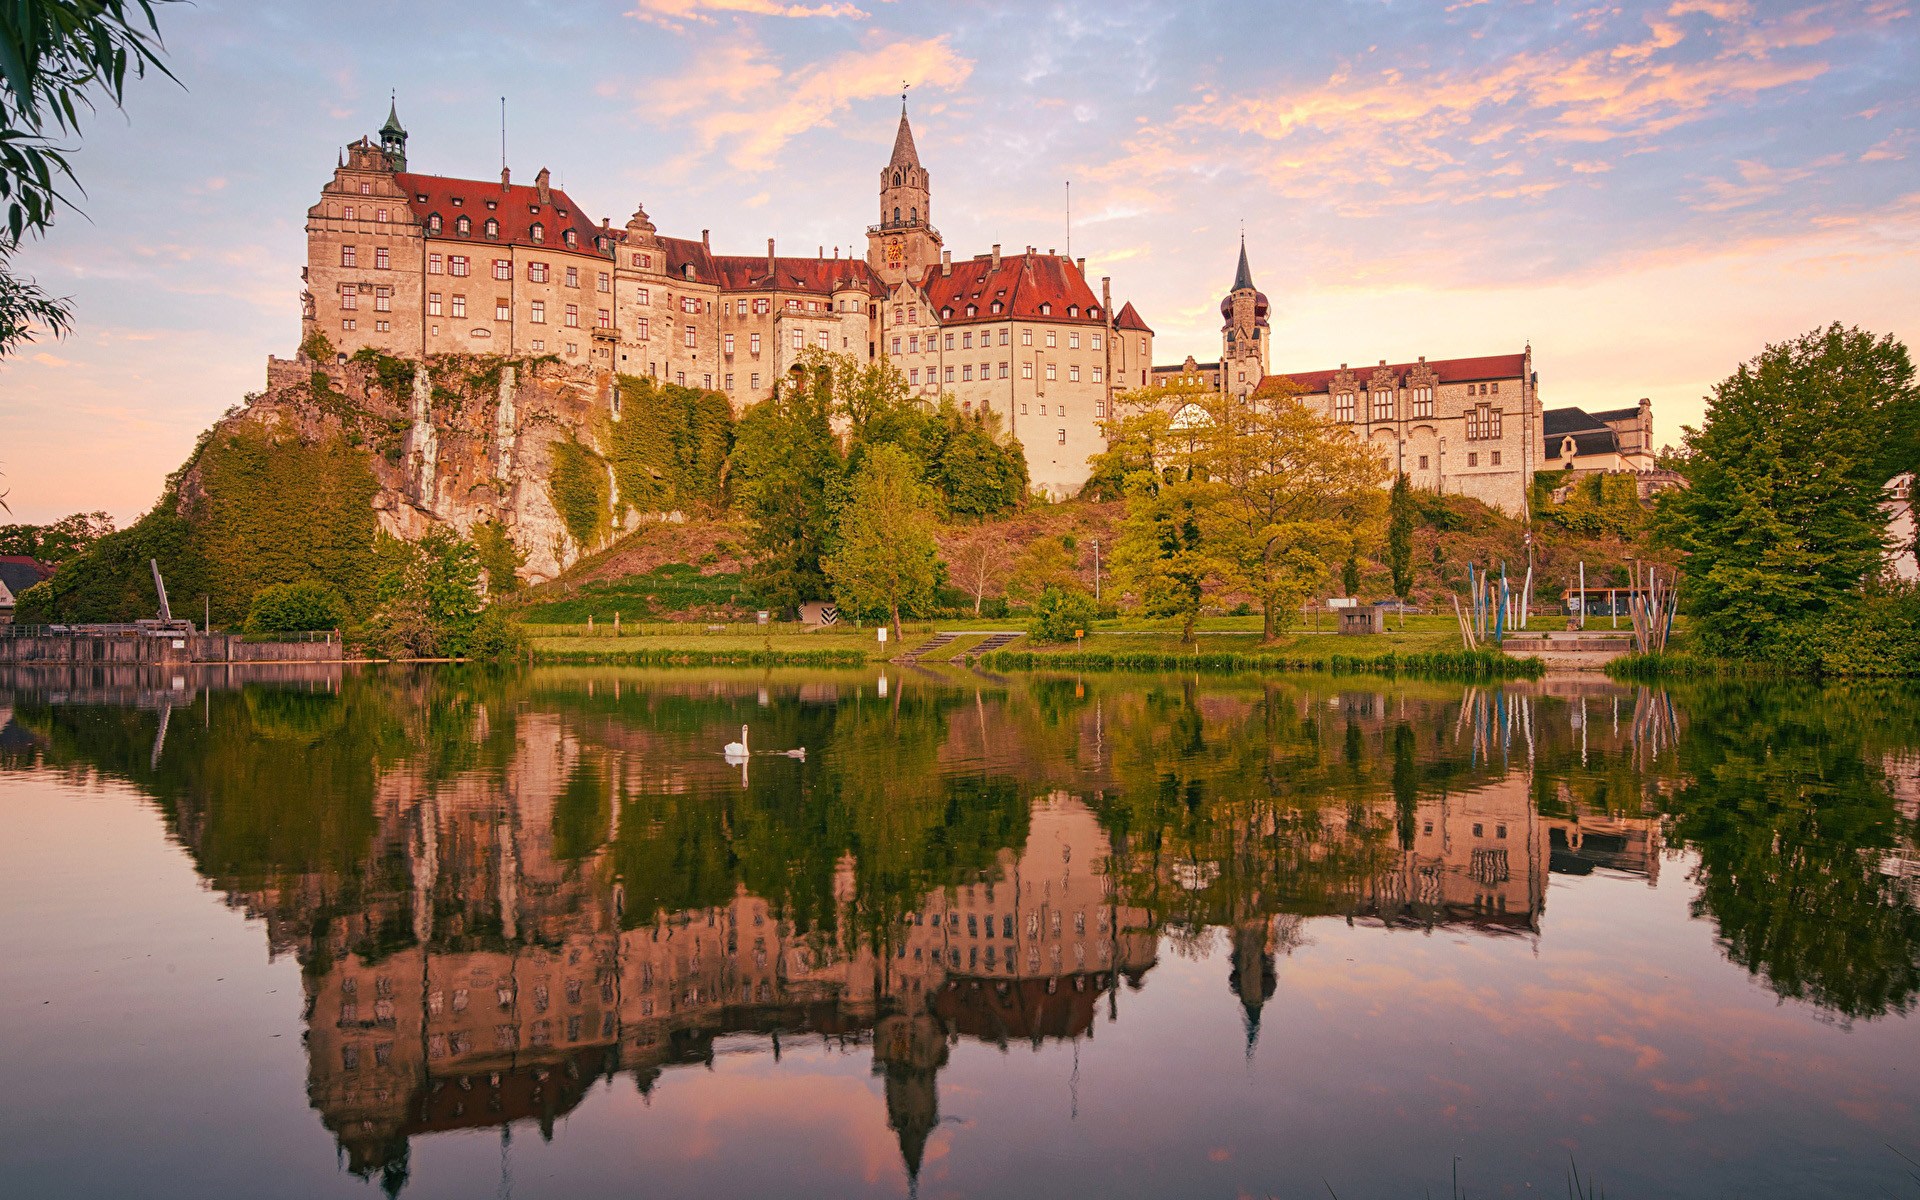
[1467, 426]
[414, 265]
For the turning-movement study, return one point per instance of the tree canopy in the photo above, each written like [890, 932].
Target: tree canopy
[885, 558]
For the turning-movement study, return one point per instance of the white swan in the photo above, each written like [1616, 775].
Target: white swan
[736, 750]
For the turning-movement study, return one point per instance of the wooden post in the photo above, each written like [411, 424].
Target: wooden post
[1583, 593]
[616, 622]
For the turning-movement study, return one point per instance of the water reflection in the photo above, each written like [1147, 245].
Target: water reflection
[501, 890]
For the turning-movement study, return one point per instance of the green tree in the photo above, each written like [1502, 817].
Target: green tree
[430, 605]
[1045, 563]
[59, 541]
[1162, 558]
[1059, 612]
[886, 558]
[1400, 513]
[787, 468]
[56, 57]
[1782, 518]
[1350, 569]
[296, 608]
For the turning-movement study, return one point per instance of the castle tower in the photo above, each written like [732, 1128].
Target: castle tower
[393, 139]
[905, 243]
[1244, 334]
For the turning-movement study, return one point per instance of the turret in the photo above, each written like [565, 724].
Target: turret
[904, 245]
[1244, 332]
[393, 139]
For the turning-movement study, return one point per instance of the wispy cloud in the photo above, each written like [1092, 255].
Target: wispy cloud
[678, 14]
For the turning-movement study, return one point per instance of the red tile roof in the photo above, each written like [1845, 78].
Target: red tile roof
[747, 272]
[518, 207]
[1022, 282]
[1447, 370]
[1129, 319]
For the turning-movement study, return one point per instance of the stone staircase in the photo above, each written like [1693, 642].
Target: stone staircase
[996, 642]
[1580, 650]
[940, 641]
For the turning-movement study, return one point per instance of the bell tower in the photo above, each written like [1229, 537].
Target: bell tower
[905, 243]
[1244, 333]
[393, 139]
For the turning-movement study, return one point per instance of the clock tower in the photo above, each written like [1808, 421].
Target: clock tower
[905, 243]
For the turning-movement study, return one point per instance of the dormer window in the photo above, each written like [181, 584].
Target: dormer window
[462, 224]
[997, 306]
[572, 240]
[973, 310]
[457, 202]
[1046, 310]
[1073, 310]
[537, 232]
[534, 209]
[687, 270]
[491, 229]
[561, 212]
[946, 314]
[1094, 312]
[420, 196]
[493, 204]
[433, 223]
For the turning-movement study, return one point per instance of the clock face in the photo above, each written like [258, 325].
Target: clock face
[896, 252]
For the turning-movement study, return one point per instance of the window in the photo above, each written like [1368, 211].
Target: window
[1046, 310]
[573, 347]
[380, 259]
[1495, 461]
[1004, 336]
[1073, 340]
[1422, 402]
[540, 345]
[949, 344]
[1063, 437]
[606, 284]
[459, 307]
[997, 306]
[691, 343]
[1003, 370]
[382, 326]
[573, 316]
[1096, 341]
[348, 213]
[436, 265]
[491, 230]
[537, 232]
[501, 310]
[643, 260]
[1060, 410]
[799, 339]
[1423, 462]
[366, 188]
[536, 272]
[1383, 406]
[826, 340]
[689, 305]
[913, 344]
[1143, 347]
[913, 314]
[1053, 370]
[706, 381]
[1496, 387]
[966, 341]
[1343, 406]
[640, 329]
[762, 306]
[573, 276]
[463, 225]
[753, 381]
[348, 255]
[949, 377]
[913, 377]
[1023, 410]
[1073, 373]
[729, 383]
[896, 345]
[726, 346]
[753, 346]
[502, 268]
[1096, 374]
[604, 317]
[457, 264]
[380, 214]
[433, 304]
[383, 299]
[1026, 337]
[986, 369]
[1053, 339]
[347, 324]
[966, 372]
[1026, 370]
[539, 312]
[680, 377]
[349, 297]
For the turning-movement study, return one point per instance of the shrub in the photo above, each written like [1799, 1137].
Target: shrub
[1059, 612]
[296, 608]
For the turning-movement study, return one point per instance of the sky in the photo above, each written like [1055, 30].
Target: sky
[1647, 193]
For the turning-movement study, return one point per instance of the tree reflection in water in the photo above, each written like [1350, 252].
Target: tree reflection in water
[501, 888]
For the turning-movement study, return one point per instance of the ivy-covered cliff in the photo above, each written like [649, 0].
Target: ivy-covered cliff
[535, 461]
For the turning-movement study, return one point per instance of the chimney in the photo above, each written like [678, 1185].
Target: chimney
[540, 187]
[704, 243]
[822, 253]
[1080, 264]
[769, 258]
[1423, 358]
[836, 252]
[946, 262]
[1050, 253]
[506, 178]
[996, 256]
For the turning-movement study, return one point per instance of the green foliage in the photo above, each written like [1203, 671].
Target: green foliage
[1045, 563]
[1597, 506]
[316, 346]
[1350, 571]
[667, 590]
[430, 605]
[275, 509]
[885, 559]
[498, 557]
[1059, 613]
[1400, 518]
[1474, 664]
[394, 374]
[978, 474]
[671, 445]
[110, 579]
[56, 542]
[26, 309]
[296, 608]
[578, 485]
[1161, 557]
[787, 476]
[1782, 519]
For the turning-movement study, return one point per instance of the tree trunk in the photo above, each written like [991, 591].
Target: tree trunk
[895, 606]
[1267, 634]
[1187, 637]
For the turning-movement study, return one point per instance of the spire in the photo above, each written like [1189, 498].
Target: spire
[1242, 278]
[393, 117]
[904, 154]
[393, 138]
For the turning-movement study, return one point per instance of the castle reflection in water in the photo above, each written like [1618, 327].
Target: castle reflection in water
[512, 927]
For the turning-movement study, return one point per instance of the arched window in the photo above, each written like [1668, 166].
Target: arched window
[492, 229]
[537, 232]
[913, 214]
[433, 223]
[896, 179]
[463, 224]
[896, 213]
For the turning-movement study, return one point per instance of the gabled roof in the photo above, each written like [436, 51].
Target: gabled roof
[1585, 442]
[1445, 370]
[18, 573]
[1618, 414]
[1022, 283]
[748, 272]
[1130, 319]
[518, 207]
[1557, 421]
